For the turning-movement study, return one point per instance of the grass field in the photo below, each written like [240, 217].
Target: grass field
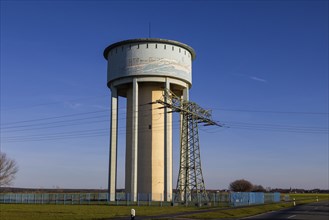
[308, 196]
[83, 212]
[89, 212]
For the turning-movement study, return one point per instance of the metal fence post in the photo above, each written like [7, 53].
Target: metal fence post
[127, 199]
[149, 195]
[161, 199]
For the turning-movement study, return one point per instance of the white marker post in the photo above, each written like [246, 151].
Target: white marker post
[294, 202]
[132, 214]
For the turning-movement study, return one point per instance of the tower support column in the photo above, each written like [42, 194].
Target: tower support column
[134, 142]
[113, 145]
[167, 150]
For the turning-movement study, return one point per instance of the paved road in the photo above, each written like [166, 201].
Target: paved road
[313, 211]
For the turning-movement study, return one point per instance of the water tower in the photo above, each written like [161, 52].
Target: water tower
[140, 70]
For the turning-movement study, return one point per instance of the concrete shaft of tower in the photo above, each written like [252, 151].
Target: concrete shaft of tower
[140, 70]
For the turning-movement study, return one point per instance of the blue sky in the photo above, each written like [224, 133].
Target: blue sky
[261, 66]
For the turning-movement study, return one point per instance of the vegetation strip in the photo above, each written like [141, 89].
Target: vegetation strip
[89, 212]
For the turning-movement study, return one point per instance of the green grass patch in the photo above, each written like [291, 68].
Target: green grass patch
[308, 196]
[83, 212]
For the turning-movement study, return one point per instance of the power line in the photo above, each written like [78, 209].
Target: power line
[176, 124]
[52, 103]
[55, 117]
[48, 123]
[55, 122]
[100, 111]
[273, 112]
[77, 134]
[55, 126]
[233, 123]
[249, 128]
[70, 115]
[87, 120]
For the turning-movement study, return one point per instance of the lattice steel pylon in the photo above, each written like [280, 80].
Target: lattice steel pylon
[190, 182]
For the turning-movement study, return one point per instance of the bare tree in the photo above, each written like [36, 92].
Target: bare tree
[241, 186]
[8, 170]
[258, 188]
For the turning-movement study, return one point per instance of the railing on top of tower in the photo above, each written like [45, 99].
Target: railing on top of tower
[190, 182]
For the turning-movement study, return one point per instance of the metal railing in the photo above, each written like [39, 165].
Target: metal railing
[219, 199]
[253, 198]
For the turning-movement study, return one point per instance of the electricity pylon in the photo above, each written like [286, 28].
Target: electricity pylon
[190, 182]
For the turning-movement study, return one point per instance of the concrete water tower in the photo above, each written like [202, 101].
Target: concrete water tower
[140, 70]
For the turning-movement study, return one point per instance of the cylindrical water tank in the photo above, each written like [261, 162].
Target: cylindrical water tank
[149, 57]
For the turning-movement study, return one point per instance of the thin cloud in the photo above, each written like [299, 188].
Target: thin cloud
[100, 107]
[258, 79]
[73, 105]
[250, 77]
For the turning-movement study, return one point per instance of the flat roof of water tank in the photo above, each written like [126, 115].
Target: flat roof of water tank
[149, 40]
